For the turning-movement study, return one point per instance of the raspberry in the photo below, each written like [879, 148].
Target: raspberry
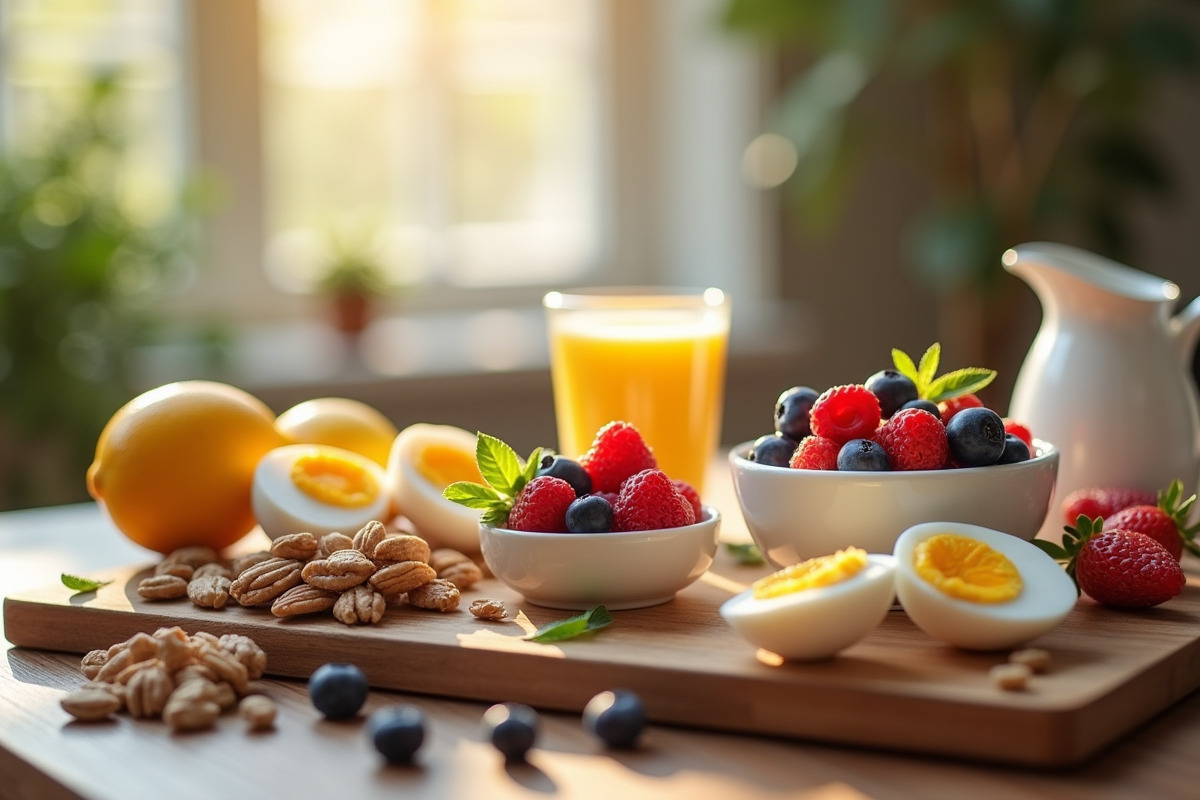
[1095, 502]
[1020, 430]
[649, 501]
[846, 412]
[689, 493]
[617, 452]
[914, 439]
[1127, 570]
[1150, 521]
[815, 452]
[542, 506]
[956, 404]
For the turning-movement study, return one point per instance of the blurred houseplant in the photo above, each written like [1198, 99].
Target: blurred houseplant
[80, 273]
[1031, 124]
[352, 275]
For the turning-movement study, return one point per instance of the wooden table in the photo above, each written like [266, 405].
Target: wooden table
[45, 755]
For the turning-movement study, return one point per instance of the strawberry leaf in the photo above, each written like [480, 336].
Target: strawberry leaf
[588, 622]
[1055, 551]
[958, 383]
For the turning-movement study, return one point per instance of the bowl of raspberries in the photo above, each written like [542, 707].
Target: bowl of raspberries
[857, 464]
[608, 528]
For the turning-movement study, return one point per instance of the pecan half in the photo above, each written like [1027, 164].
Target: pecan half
[215, 568]
[209, 591]
[485, 608]
[90, 705]
[258, 711]
[340, 571]
[302, 546]
[191, 715]
[360, 605]
[92, 663]
[266, 580]
[244, 562]
[247, 651]
[444, 557]
[177, 568]
[404, 547]
[162, 587]
[396, 579]
[464, 574]
[303, 599]
[148, 690]
[369, 536]
[437, 595]
[226, 666]
[332, 542]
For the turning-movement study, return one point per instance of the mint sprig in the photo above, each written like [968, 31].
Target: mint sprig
[506, 476]
[935, 388]
[589, 621]
[746, 554]
[80, 585]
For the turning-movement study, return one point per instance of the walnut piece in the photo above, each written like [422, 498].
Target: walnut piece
[225, 665]
[394, 580]
[148, 690]
[437, 595]
[360, 605]
[90, 705]
[209, 591]
[303, 599]
[1010, 677]
[485, 608]
[258, 711]
[162, 587]
[302, 546]
[247, 652]
[339, 572]
[92, 663]
[260, 584]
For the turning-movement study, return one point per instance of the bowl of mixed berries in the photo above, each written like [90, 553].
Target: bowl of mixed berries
[857, 464]
[608, 528]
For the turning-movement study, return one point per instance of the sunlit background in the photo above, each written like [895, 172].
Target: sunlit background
[369, 197]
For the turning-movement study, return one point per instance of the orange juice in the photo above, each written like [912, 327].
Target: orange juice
[656, 361]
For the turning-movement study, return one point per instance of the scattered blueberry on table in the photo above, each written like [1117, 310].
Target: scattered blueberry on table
[616, 717]
[512, 729]
[338, 690]
[397, 732]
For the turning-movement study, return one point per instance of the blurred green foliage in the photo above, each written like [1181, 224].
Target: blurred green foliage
[1031, 123]
[80, 277]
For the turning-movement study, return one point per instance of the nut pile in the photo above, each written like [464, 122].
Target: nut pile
[188, 681]
[356, 578]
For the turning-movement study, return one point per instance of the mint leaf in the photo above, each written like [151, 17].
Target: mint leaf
[958, 382]
[929, 365]
[588, 622]
[80, 585]
[747, 554]
[498, 463]
[472, 495]
[904, 364]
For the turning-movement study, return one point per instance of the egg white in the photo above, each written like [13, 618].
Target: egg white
[283, 508]
[440, 521]
[1047, 596]
[816, 623]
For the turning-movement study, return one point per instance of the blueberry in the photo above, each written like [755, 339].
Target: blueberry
[591, 514]
[774, 450]
[397, 732]
[338, 690]
[791, 412]
[976, 437]
[892, 389]
[927, 405]
[512, 729]
[570, 471]
[863, 455]
[617, 717]
[1015, 450]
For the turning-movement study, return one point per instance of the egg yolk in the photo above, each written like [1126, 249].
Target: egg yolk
[334, 480]
[442, 465]
[812, 574]
[967, 569]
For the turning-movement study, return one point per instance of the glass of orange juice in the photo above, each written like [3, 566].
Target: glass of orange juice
[652, 357]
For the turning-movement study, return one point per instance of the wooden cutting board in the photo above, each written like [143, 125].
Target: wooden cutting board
[896, 689]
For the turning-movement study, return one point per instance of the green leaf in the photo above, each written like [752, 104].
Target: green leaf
[1055, 551]
[588, 622]
[79, 584]
[930, 360]
[496, 516]
[498, 463]
[958, 383]
[747, 554]
[472, 495]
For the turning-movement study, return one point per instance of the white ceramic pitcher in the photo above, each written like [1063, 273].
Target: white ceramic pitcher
[1107, 377]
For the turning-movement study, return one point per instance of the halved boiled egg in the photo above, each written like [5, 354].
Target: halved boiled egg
[979, 588]
[424, 460]
[816, 608]
[318, 489]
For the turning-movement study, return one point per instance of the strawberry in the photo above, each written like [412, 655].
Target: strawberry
[1119, 568]
[689, 493]
[953, 405]
[914, 439]
[542, 506]
[846, 412]
[649, 501]
[1020, 430]
[617, 452]
[1095, 502]
[815, 452]
[1165, 522]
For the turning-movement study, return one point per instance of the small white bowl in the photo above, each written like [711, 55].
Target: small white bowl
[797, 514]
[577, 571]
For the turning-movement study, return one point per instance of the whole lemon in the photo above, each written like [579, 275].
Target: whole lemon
[340, 422]
[175, 466]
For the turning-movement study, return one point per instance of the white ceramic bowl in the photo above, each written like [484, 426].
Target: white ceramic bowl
[577, 571]
[797, 514]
